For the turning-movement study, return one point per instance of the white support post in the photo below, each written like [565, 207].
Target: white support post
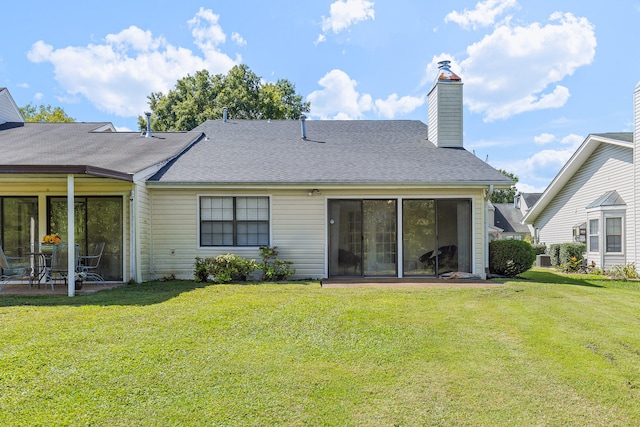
[71, 236]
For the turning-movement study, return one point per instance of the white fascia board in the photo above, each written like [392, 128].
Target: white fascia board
[582, 154]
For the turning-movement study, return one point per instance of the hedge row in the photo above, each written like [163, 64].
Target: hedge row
[561, 253]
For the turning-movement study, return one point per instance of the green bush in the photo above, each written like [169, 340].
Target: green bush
[540, 249]
[223, 268]
[274, 269]
[510, 257]
[568, 251]
[554, 254]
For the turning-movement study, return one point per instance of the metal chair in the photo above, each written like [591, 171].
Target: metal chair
[88, 264]
[13, 268]
[59, 262]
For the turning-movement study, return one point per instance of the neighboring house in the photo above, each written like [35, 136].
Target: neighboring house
[593, 199]
[390, 198]
[507, 222]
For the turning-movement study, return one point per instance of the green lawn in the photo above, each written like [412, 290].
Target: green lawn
[549, 350]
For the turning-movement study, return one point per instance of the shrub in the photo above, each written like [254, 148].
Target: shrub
[554, 254]
[510, 257]
[540, 249]
[223, 268]
[568, 251]
[274, 269]
[624, 271]
[571, 266]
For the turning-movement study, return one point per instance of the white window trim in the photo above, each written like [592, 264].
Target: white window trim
[235, 248]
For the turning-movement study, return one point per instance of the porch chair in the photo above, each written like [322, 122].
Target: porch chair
[59, 262]
[88, 264]
[13, 268]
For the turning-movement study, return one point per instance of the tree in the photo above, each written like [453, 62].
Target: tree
[505, 196]
[204, 96]
[31, 113]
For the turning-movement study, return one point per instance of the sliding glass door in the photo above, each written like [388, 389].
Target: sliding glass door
[362, 238]
[436, 236]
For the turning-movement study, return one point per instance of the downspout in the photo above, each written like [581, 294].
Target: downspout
[132, 234]
[487, 197]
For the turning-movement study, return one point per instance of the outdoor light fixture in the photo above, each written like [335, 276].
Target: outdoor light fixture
[314, 192]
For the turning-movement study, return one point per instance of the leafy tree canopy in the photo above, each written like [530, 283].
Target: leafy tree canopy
[203, 96]
[505, 196]
[31, 113]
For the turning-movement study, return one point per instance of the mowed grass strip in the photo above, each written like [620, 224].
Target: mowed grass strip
[549, 350]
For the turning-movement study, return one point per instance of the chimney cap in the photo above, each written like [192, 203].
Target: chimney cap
[445, 74]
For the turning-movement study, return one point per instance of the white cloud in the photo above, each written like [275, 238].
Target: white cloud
[541, 167]
[392, 106]
[483, 15]
[118, 75]
[238, 39]
[516, 69]
[343, 14]
[544, 138]
[340, 100]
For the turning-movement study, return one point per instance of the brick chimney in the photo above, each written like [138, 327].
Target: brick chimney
[445, 109]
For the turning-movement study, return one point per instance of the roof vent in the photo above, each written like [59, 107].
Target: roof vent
[224, 114]
[148, 134]
[303, 126]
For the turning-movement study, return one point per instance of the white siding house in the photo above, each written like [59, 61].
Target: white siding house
[338, 198]
[594, 198]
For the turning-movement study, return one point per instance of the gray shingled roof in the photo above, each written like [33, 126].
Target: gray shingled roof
[349, 152]
[531, 198]
[509, 218]
[67, 144]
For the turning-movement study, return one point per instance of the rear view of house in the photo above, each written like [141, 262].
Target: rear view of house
[393, 198]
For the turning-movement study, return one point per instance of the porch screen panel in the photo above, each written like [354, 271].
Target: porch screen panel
[97, 219]
[104, 224]
[419, 236]
[15, 224]
[345, 238]
[379, 237]
[436, 236]
[454, 236]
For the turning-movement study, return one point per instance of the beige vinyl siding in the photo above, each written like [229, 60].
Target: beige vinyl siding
[174, 234]
[609, 168]
[299, 232]
[143, 233]
[298, 226]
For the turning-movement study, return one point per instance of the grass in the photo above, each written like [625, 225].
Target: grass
[548, 349]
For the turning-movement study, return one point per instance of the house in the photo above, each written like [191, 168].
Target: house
[507, 222]
[593, 199]
[393, 198]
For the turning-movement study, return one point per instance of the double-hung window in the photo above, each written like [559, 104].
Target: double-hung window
[614, 234]
[234, 221]
[594, 240]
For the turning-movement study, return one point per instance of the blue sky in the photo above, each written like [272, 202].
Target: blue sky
[538, 76]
